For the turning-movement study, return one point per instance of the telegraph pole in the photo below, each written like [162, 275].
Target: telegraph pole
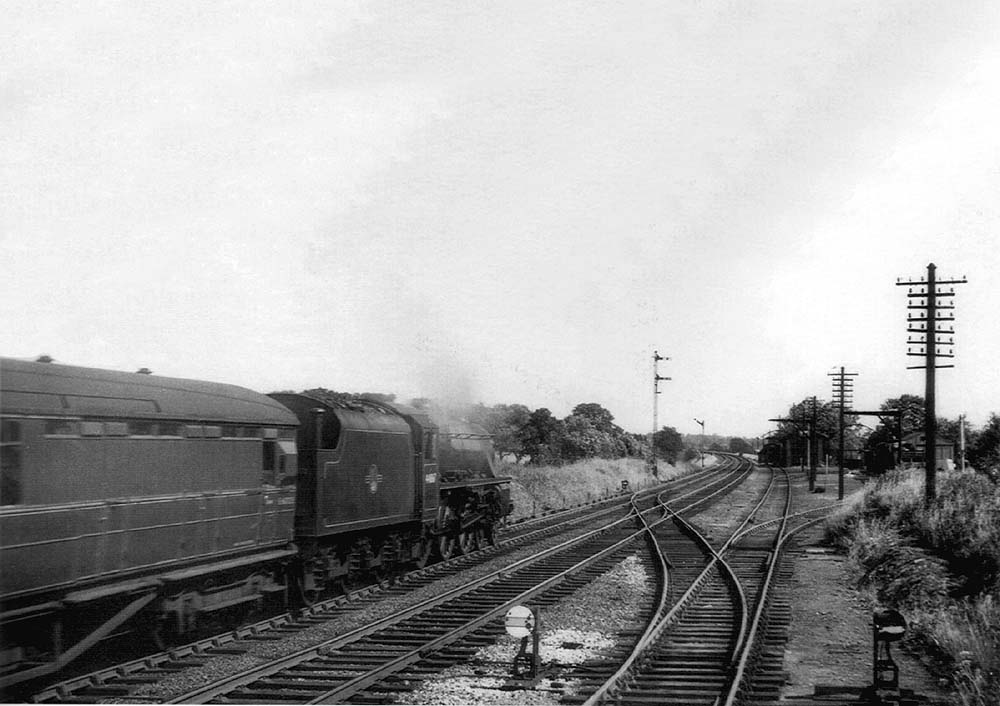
[926, 324]
[810, 446]
[843, 388]
[656, 392]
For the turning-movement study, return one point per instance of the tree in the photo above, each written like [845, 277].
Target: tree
[827, 425]
[668, 444]
[740, 446]
[984, 451]
[589, 431]
[506, 423]
[540, 436]
[827, 417]
[912, 407]
[580, 439]
[948, 429]
[587, 436]
[636, 445]
[601, 418]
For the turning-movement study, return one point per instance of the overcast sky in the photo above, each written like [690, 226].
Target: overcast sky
[505, 202]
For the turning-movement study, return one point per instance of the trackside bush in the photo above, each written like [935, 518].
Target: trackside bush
[901, 574]
[967, 632]
[964, 526]
[939, 564]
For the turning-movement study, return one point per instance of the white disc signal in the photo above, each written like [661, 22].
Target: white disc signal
[519, 621]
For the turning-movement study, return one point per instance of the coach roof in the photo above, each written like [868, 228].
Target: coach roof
[54, 389]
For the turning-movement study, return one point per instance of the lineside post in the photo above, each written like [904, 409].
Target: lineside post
[843, 388]
[656, 392]
[925, 324]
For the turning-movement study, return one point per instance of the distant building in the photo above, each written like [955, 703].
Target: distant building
[913, 451]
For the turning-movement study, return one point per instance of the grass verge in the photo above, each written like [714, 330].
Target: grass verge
[537, 489]
[938, 563]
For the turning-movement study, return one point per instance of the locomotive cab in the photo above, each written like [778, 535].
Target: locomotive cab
[361, 496]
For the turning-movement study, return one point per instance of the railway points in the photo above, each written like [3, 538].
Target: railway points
[710, 634]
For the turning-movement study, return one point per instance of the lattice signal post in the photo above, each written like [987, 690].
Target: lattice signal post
[925, 323]
[656, 405]
[843, 391]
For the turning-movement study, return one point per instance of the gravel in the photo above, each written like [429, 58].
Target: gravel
[363, 613]
[582, 628]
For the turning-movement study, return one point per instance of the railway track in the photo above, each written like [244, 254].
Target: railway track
[711, 646]
[442, 633]
[122, 681]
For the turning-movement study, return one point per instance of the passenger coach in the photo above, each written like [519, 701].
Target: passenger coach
[129, 495]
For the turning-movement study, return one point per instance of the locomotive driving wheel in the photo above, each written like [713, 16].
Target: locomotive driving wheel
[448, 546]
[468, 540]
[426, 548]
[448, 524]
[489, 535]
[164, 631]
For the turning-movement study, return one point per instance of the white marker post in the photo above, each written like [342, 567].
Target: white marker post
[522, 622]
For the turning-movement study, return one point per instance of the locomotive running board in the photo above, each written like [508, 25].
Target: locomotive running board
[82, 646]
[474, 482]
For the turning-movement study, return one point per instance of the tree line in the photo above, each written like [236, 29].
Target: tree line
[537, 437]
[982, 445]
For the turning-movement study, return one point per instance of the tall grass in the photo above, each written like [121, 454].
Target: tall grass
[540, 488]
[939, 564]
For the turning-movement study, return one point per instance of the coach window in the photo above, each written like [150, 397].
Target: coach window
[268, 465]
[10, 462]
[60, 427]
[141, 428]
[288, 461]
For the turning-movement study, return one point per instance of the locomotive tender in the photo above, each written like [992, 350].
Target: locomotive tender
[129, 499]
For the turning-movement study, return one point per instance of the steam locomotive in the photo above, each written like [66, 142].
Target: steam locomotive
[130, 499]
